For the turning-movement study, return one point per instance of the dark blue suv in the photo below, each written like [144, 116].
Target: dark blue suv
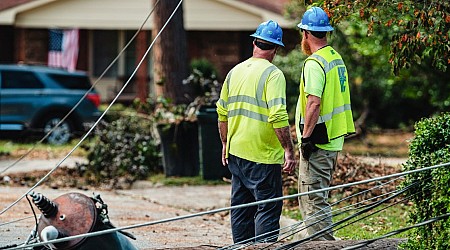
[35, 98]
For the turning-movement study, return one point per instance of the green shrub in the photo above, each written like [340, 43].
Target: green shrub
[124, 148]
[203, 80]
[430, 146]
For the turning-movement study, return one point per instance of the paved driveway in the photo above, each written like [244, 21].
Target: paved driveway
[138, 206]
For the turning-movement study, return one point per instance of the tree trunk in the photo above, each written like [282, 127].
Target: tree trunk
[169, 52]
[142, 73]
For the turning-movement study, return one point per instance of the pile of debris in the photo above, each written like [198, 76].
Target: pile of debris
[64, 177]
[352, 169]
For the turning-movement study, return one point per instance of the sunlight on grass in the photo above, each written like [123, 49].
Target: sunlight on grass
[41, 151]
[181, 181]
[388, 144]
[377, 225]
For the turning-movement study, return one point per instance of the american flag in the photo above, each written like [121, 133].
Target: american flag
[63, 48]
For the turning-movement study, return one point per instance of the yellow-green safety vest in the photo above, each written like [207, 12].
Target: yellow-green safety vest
[335, 107]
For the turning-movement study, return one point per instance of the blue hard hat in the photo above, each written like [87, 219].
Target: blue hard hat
[269, 31]
[315, 19]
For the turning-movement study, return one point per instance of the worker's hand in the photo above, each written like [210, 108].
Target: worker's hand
[289, 162]
[307, 148]
[224, 155]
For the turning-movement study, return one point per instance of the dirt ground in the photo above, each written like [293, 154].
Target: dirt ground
[137, 206]
[146, 202]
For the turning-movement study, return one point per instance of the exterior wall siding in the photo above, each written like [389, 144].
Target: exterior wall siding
[31, 46]
[223, 49]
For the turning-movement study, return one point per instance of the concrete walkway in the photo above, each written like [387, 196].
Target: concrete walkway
[38, 164]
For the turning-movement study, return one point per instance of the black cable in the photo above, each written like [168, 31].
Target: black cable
[336, 212]
[315, 235]
[250, 204]
[390, 205]
[35, 217]
[294, 231]
[9, 246]
[375, 212]
[34, 231]
[350, 217]
[401, 230]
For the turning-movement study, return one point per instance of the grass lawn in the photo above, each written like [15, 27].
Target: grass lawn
[377, 225]
[181, 181]
[386, 144]
[14, 149]
[359, 228]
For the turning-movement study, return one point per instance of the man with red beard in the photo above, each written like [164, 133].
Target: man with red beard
[323, 117]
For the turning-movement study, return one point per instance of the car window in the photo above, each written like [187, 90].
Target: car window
[16, 79]
[72, 81]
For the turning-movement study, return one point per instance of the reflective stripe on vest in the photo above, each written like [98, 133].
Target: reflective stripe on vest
[328, 66]
[221, 101]
[256, 101]
[329, 116]
[338, 119]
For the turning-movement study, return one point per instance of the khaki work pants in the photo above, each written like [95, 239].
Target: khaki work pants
[314, 208]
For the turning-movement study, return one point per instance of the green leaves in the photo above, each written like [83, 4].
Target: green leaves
[421, 27]
[124, 148]
[430, 146]
[380, 37]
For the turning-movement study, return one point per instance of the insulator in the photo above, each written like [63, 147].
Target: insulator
[47, 207]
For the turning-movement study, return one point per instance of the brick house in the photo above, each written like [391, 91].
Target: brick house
[214, 28]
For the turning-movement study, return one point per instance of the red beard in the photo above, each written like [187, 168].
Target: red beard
[306, 49]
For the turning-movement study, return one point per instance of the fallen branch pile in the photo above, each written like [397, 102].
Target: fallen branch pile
[352, 169]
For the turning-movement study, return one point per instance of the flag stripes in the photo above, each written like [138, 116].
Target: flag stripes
[63, 48]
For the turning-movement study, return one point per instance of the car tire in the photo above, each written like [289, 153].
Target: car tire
[62, 134]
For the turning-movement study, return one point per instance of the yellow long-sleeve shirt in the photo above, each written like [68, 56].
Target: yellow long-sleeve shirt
[253, 102]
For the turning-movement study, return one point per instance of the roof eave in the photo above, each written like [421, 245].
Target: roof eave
[8, 16]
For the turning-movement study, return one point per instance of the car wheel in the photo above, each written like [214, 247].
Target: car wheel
[61, 135]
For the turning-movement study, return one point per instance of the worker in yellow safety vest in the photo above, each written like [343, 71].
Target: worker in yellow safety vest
[323, 118]
[254, 129]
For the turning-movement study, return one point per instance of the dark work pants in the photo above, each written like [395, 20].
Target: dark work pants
[255, 182]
